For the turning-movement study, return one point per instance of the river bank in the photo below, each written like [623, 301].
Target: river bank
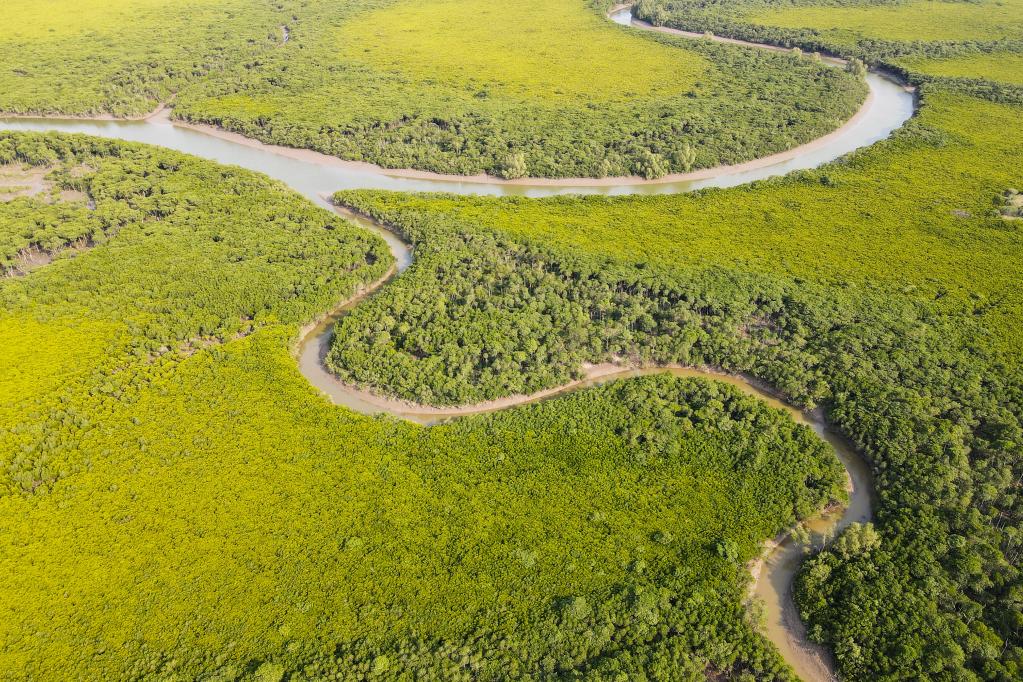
[772, 574]
[162, 109]
[887, 106]
[314, 175]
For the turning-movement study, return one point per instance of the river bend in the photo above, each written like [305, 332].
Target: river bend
[888, 105]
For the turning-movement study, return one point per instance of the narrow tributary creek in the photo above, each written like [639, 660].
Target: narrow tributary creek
[775, 570]
[316, 175]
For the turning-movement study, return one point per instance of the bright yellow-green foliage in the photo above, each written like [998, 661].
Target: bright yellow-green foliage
[1003, 67]
[524, 87]
[530, 49]
[124, 56]
[884, 287]
[918, 215]
[364, 529]
[54, 19]
[177, 500]
[913, 20]
[31, 372]
[518, 88]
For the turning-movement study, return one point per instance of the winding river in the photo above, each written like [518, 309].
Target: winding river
[315, 175]
[773, 572]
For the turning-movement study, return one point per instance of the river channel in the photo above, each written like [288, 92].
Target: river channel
[888, 105]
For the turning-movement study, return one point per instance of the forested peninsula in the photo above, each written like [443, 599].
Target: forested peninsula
[525, 89]
[178, 501]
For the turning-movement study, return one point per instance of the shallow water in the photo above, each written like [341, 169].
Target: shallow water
[890, 105]
[316, 176]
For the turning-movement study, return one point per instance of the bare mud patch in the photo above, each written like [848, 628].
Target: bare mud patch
[32, 257]
[1012, 205]
[19, 180]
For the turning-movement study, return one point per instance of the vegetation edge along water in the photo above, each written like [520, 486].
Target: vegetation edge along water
[634, 137]
[773, 571]
[584, 257]
[195, 282]
[837, 572]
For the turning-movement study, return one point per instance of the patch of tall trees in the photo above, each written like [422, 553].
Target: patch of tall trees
[482, 314]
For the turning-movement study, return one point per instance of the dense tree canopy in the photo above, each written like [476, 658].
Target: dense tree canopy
[974, 45]
[900, 316]
[177, 501]
[523, 88]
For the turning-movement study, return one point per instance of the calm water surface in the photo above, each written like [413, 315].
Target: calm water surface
[316, 176]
